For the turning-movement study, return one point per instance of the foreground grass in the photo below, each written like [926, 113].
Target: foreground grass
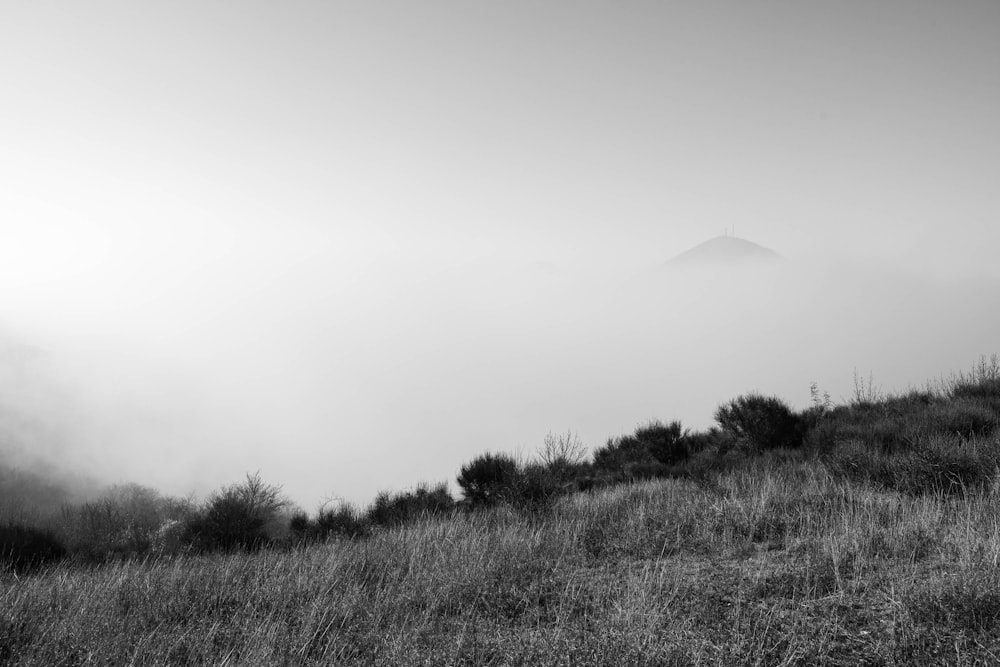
[776, 563]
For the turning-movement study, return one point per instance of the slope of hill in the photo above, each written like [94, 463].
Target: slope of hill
[871, 541]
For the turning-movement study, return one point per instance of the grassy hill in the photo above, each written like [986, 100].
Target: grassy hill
[872, 539]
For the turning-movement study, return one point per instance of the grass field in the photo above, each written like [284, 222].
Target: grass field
[864, 533]
[775, 563]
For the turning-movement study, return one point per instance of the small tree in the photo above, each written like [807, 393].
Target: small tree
[563, 455]
[760, 422]
[237, 517]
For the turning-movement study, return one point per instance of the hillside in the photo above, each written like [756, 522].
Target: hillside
[777, 563]
[858, 533]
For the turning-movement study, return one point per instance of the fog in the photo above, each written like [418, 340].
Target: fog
[333, 396]
[352, 247]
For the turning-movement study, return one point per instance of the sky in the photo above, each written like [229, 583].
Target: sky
[354, 244]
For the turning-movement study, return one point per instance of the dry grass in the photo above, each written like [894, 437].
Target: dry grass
[774, 564]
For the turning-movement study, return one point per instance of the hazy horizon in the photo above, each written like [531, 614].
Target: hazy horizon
[353, 245]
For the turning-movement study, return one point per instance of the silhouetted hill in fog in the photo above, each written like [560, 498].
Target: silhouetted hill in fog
[725, 251]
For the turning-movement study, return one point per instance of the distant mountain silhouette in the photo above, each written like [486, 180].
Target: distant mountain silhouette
[726, 251]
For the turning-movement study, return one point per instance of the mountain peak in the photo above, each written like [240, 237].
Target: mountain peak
[726, 250]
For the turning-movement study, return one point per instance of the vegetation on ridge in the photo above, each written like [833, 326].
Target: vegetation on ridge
[869, 537]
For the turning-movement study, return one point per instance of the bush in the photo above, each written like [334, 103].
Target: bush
[488, 479]
[650, 451]
[493, 479]
[857, 461]
[705, 466]
[967, 418]
[666, 442]
[988, 388]
[982, 381]
[393, 509]
[535, 487]
[760, 422]
[23, 549]
[625, 459]
[713, 439]
[882, 430]
[344, 520]
[934, 464]
[241, 516]
[895, 423]
[125, 521]
[945, 465]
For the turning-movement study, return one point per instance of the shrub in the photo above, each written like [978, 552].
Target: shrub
[666, 442]
[343, 520]
[988, 388]
[626, 458]
[934, 464]
[492, 479]
[821, 408]
[240, 516]
[945, 465]
[882, 430]
[713, 439]
[982, 381]
[705, 466]
[857, 461]
[650, 451]
[125, 521]
[169, 537]
[534, 487]
[895, 423]
[760, 422]
[488, 479]
[23, 549]
[866, 393]
[300, 524]
[392, 509]
[965, 417]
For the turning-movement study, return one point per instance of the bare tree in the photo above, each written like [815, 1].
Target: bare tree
[561, 453]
